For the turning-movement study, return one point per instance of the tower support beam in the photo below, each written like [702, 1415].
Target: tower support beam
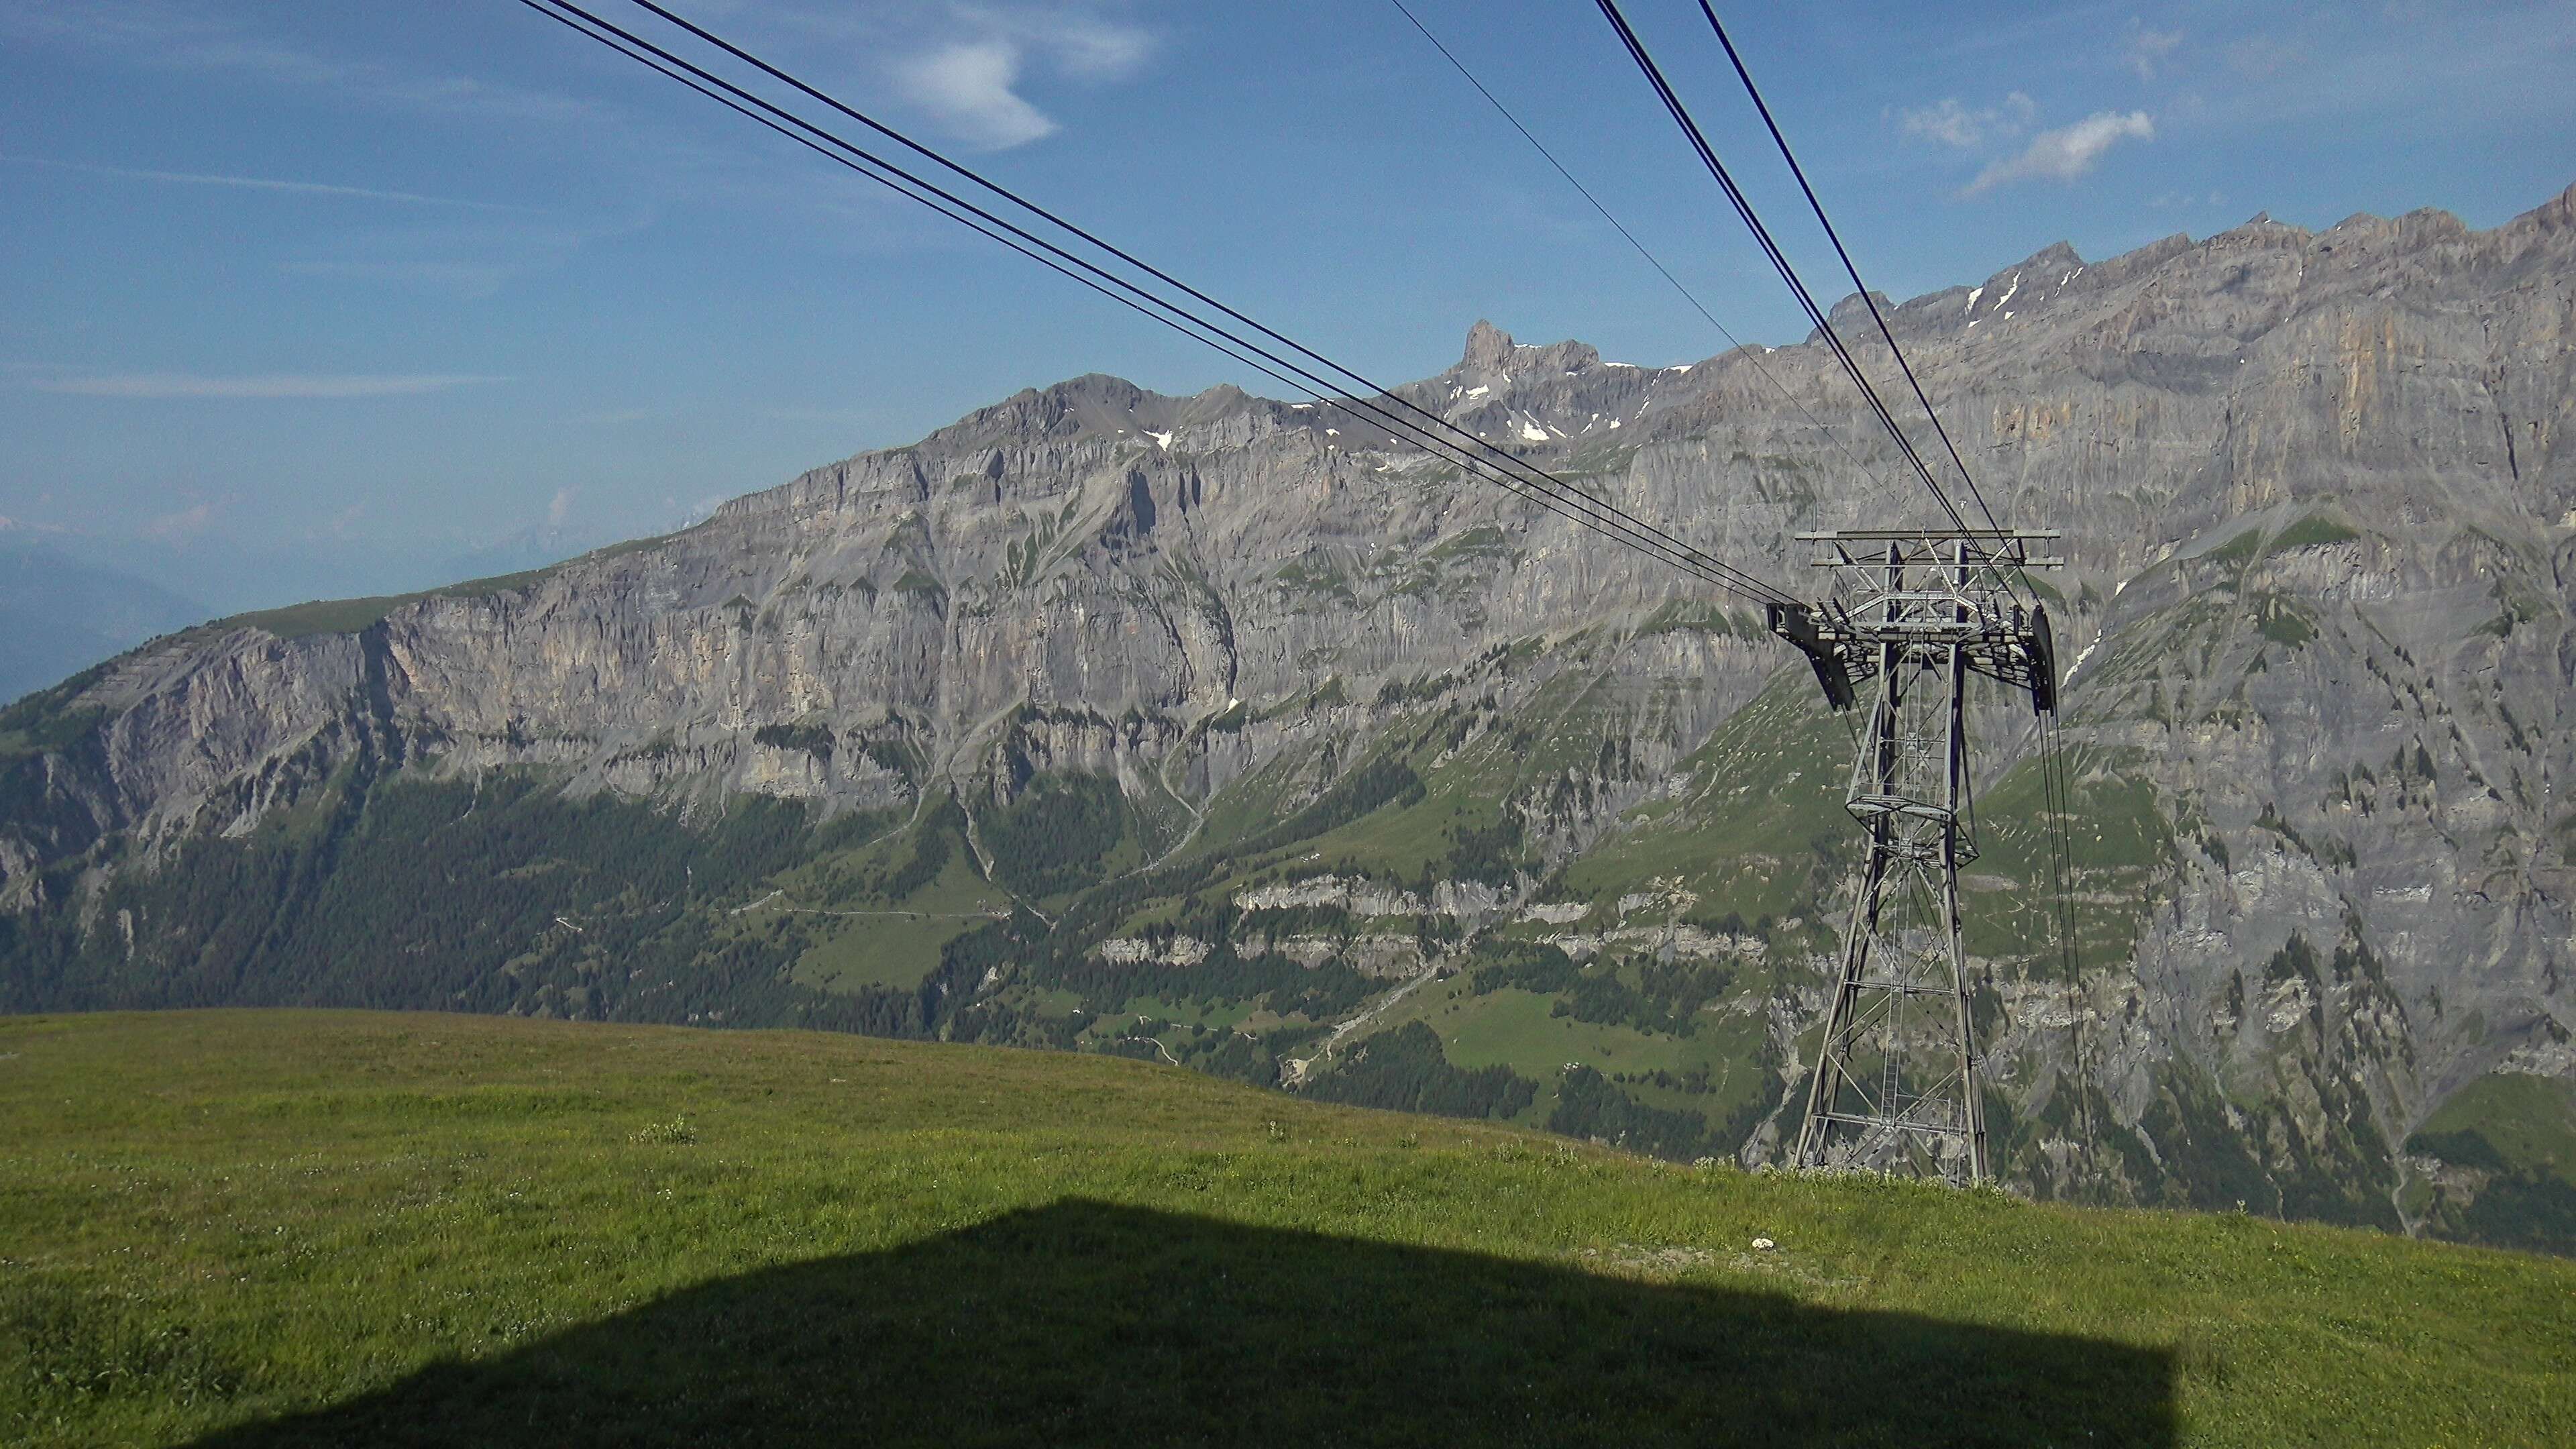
[1912, 617]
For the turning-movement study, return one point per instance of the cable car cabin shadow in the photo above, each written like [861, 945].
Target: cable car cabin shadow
[1083, 1323]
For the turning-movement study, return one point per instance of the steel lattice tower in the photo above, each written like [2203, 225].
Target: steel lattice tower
[1912, 615]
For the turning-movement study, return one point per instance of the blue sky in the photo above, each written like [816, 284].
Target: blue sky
[317, 296]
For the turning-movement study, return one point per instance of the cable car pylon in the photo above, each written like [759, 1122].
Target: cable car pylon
[1917, 611]
[1909, 618]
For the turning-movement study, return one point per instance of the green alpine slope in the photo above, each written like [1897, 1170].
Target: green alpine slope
[273, 1228]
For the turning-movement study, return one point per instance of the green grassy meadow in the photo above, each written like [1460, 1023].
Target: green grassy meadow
[281, 1227]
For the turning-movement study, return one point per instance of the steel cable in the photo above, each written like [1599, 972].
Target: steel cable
[1751, 354]
[1849, 268]
[1771, 248]
[1751, 586]
[1455, 444]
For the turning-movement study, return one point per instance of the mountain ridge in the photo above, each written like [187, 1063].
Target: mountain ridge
[1111, 679]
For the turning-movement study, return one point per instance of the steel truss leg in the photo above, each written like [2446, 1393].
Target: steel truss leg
[1896, 1079]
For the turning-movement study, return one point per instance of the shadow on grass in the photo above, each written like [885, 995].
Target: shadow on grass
[1085, 1322]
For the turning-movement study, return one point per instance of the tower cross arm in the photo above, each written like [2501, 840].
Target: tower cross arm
[1901, 592]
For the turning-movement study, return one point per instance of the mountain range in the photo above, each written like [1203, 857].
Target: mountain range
[59, 614]
[1235, 733]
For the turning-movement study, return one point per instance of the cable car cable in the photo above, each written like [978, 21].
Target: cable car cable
[1849, 269]
[1122, 255]
[1751, 354]
[1539, 487]
[1779, 260]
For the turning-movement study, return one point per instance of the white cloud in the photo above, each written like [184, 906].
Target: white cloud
[2067, 152]
[1953, 124]
[269, 385]
[2143, 50]
[560, 509]
[968, 87]
[1086, 46]
[258, 183]
[971, 82]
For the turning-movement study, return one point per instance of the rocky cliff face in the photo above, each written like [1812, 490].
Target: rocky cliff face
[2318, 494]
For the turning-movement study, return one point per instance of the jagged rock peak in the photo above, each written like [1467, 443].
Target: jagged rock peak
[2055, 254]
[1094, 404]
[1492, 355]
[1489, 348]
[1851, 311]
[2261, 227]
[2556, 214]
[2041, 269]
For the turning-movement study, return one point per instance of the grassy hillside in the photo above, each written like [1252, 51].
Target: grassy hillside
[268, 1228]
[1519, 890]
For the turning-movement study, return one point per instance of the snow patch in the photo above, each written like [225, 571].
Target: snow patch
[1478, 391]
[1532, 432]
[1161, 440]
[1973, 294]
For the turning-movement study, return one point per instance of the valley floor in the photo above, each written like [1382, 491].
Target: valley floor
[272, 1227]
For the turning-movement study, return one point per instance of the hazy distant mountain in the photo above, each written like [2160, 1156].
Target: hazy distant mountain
[1225, 730]
[59, 615]
[236, 573]
[530, 548]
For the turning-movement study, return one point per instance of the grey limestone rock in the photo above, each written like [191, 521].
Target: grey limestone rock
[2318, 493]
